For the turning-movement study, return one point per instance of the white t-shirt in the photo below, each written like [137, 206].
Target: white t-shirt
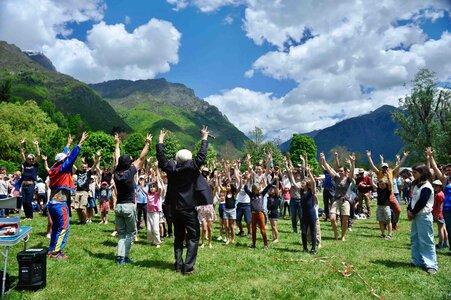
[40, 187]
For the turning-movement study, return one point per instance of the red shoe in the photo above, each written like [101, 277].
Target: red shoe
[59, 255]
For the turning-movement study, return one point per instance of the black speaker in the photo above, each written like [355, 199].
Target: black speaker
[32, 269]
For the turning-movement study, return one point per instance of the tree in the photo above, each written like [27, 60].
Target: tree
[25, 120]
[134, 143]
[171, 145]
[5, 90]
[301, 144]
[227, 151]
[256, 136]
[426, 119]
[98, 140]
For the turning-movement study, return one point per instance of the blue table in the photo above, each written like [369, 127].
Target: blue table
[24, 233]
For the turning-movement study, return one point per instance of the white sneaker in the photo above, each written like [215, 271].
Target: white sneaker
[219, 238]
[114, 233]
[48, 235]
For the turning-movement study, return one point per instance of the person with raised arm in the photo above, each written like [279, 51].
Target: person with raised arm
[295, 196]
[183, 186]
[445, 178]
[341, 206]
[30, 167]
[386, 172]
[125, 211]
[61, 186]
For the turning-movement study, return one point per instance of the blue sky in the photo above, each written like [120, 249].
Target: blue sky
[287, 66]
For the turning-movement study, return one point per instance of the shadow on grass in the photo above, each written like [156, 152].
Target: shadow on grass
[109, 243]
[391, 263]
[155, 264]
[100, 255]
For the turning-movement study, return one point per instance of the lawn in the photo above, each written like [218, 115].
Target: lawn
[235, 271]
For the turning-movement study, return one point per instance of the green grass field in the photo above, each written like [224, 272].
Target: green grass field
[235, 271]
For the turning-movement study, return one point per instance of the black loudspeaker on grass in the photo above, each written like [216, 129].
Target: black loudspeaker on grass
[32, 269]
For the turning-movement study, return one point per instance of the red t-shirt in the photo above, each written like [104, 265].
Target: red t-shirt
[366, 181]
[438, 204]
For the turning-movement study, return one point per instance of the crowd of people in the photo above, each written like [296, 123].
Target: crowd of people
[179, 198]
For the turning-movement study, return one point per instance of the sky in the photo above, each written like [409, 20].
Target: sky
[285, 66]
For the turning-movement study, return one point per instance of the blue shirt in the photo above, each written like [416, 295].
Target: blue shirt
[142, 196]
[328, 184]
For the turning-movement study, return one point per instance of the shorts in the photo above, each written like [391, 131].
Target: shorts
[162, 218]
[81, 199]
[206, 213]
[273, 214]
[243, 209]
[221, 210]
[394, 204]
[383, 214]
[91, 202]
[341, 207]
[441, 221]
[104, 206]
[230, 214]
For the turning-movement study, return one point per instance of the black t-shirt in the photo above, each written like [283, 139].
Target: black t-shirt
[106, 177]
[125, 185]
[30, 171]
[83, 180]
[383, 197]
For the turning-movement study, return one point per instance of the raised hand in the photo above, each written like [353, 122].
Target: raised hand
[149, 138]
[381, 157]
[69, 140]
[352, 157]
[204, 132]
[44, 157]
[406, 153]
[117, 140]
[163, 133]
[36, 143]
[83, 138]
[368, 153]
[22, 141]
[99, 152]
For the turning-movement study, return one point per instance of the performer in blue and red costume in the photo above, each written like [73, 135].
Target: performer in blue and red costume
[61, 185]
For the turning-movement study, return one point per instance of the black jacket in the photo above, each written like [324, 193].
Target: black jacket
[185, 183]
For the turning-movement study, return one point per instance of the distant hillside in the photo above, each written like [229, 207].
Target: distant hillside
[41, 59]
[374, 131]
[36, 80]
[149, 105]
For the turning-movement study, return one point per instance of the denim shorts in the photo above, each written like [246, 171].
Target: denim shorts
[243, 209]
[91, 202]
[273, 214]
[230, 214]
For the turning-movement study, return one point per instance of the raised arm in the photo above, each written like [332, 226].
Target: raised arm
[202, 154]
[268, 164]
[337, 161]
[46, 165]
[140, 160]
[438, 173]
[117, 150]
[351, 166]
[312, 180]
[290, 175]
[401, 162]
[328, 168]
[38, 151]
[22, 150]
[370, 160]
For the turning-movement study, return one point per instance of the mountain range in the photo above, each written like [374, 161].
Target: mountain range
[149, 105]
[374, 131]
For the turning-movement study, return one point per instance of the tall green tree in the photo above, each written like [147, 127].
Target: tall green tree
[25, 120]
[134, 143]
[256, 136]
[212, 154]
[171, 145]
[301, 144]
[426, 118]
[98, 140]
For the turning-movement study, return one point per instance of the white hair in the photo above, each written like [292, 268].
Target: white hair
[183, 155]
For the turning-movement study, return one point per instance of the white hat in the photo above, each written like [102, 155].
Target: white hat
[60, 156]
[437, 182]
[183, 155]
[385, 165]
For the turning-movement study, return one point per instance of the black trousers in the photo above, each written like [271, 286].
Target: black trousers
[168, 216]
[328, 198]
[185, 220]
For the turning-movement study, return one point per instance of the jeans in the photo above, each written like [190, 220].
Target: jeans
[422, 242]
[328, 198]
[27, 198]
[296, 211]
[243, 209]
[309, 220]
[447, 217]
[126, 227]
[186, 220]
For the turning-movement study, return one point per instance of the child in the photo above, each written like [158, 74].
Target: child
[104, 200]
[437, 213]
[383, 208]
[221, 207]
[153, 215]
[273, 212]
[257, 212]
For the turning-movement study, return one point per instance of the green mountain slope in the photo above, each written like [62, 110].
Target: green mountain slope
[374, 131]
[30, 80]
[149, 105]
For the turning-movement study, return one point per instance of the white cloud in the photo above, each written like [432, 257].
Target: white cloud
[31, 23]
[109, 52]
[354, 45]
[205, 6]
[228, 20]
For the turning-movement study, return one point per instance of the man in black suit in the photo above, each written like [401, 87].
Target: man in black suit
[183, 181]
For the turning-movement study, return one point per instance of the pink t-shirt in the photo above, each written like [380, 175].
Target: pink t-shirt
[153, 202]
